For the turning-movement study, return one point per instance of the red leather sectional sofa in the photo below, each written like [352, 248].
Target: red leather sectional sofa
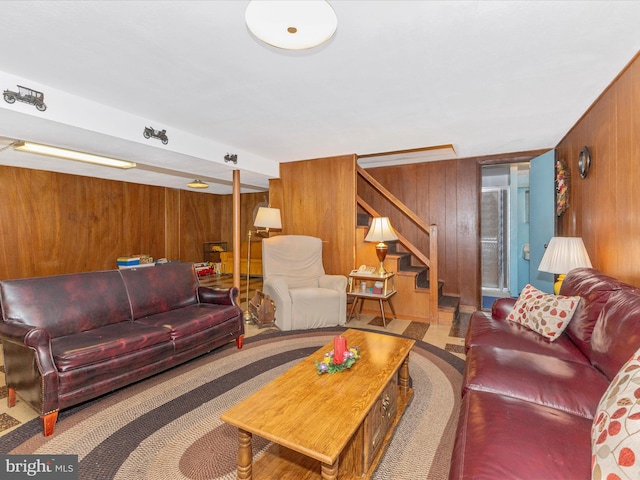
[70, 338]
[528, 403]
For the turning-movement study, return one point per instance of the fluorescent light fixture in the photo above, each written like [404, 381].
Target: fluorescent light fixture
[49, 151]
[291, 24]
[197, 184]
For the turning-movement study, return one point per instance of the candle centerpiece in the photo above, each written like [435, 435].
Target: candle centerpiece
[339, 348]
[340, 359]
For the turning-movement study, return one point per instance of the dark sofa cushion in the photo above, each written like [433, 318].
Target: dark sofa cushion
[594, 288]
[161, 288]
[573, 387]
[501, 437]
[66, 304]
[616, 335]
[94, 379]
[105, 343]
[485, 330]
[187, 321]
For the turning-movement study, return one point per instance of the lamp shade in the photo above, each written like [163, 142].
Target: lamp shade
[268, 218]
[563, 254]
[380, 231]
[291, 24]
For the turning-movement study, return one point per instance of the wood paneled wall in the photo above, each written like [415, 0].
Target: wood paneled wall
[53, 223]
[446, 194]
[604, 208]
[317, 198]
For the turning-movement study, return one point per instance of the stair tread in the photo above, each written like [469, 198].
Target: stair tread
[448, 301]
[412, 268]
[448, 306]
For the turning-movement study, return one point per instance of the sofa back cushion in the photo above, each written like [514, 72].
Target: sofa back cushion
[616, 335]
[160, 288]
[594, 288]
[66, 304]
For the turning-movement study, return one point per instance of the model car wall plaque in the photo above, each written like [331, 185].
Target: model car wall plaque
[161, 135]
[26, 95]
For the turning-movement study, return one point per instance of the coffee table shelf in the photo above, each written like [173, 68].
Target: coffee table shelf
[323, 426]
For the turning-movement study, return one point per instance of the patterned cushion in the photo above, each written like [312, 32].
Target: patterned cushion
[543, 313]
[615, 434]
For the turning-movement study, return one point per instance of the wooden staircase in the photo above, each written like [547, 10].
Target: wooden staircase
[411, 281]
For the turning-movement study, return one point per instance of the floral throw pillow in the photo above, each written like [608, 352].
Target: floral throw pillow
[543, 313]
[615, 433]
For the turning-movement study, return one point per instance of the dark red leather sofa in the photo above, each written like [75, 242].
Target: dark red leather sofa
[70, 338]
[528, 403]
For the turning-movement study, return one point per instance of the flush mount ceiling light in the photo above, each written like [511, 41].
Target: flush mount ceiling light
[71, 155]
[292, 25]
[197, 184]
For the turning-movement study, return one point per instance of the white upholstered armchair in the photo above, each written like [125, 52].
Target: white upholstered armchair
[294, 278]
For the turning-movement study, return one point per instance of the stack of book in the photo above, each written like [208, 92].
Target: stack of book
[132, 261]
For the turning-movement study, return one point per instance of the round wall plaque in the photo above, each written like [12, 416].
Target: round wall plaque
[584, 162]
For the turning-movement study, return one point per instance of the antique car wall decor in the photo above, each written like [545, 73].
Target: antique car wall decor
[26, 95]
[149, 132]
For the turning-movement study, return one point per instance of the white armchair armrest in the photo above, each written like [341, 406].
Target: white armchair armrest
[278, 290]
[333, 282]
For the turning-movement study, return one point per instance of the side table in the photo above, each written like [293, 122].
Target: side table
[360, 294]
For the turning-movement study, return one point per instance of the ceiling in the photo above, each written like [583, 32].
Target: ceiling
[486, 77]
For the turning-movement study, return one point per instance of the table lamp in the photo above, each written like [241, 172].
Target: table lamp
[266, 218]
[562, 255]
[381, 231]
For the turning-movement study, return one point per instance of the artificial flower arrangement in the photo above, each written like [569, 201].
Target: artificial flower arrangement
[562, 187]
[327, 364]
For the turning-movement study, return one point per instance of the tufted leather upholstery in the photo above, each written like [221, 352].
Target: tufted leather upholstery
[69, 338]
[528, 403]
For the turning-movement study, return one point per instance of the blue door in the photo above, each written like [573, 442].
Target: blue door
[542, 211]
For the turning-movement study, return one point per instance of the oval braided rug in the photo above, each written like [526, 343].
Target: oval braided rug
[168, 426]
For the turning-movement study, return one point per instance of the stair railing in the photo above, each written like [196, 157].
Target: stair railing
[430, 230]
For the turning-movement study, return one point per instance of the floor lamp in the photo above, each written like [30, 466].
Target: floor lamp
[266, 218]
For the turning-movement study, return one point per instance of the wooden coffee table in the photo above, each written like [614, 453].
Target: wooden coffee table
[330, 426]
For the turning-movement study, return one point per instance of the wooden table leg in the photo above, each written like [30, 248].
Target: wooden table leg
[404, 375]
[353, 307]
[392, 309]
[245, 455]
[384, 320]
[330, 472]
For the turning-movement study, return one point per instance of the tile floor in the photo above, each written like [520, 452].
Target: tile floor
[449, 338]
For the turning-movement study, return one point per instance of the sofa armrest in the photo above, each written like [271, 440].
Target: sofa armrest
[502, 307]
[15, 333]
[333, 282]
[22, 344]
[37, 339]
[218, 296]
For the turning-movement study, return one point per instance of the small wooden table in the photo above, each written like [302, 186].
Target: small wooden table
[358, 295]
[330, 423]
